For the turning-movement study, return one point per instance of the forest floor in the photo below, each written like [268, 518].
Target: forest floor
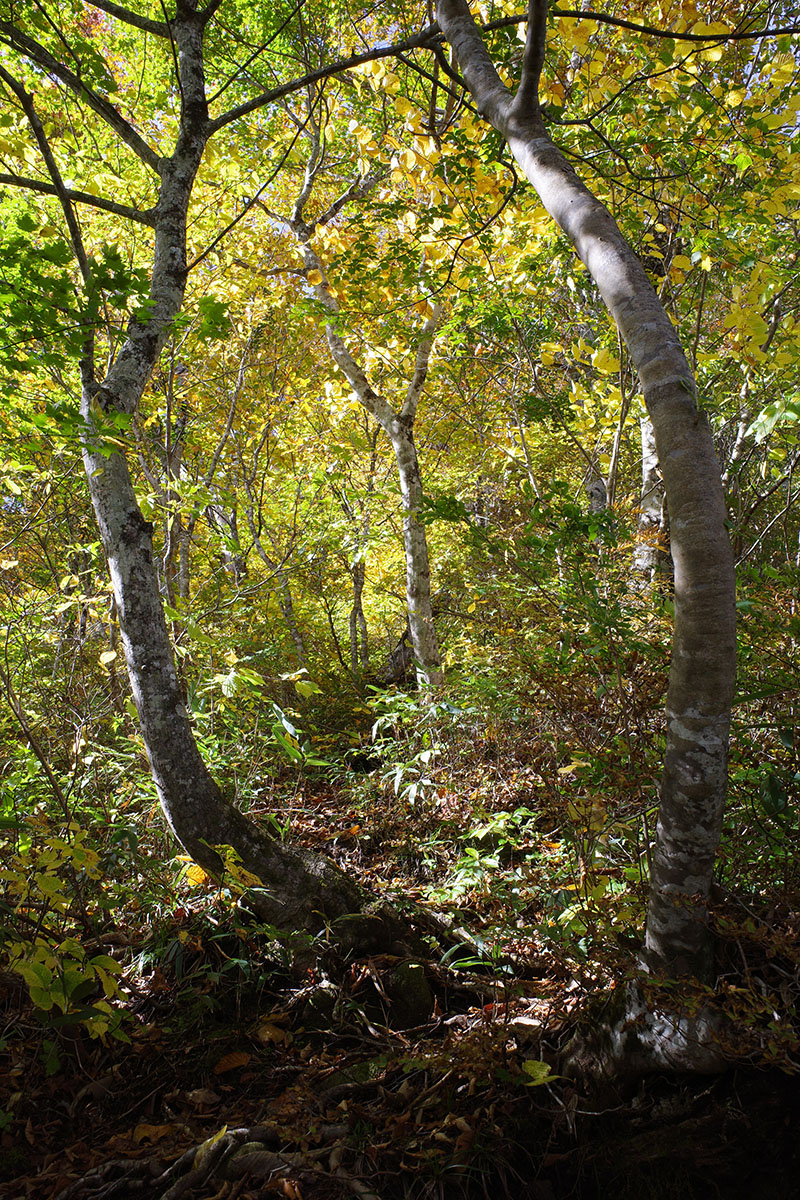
[244, 1076]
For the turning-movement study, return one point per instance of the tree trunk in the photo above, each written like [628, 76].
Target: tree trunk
[359, 643]
[649, 549]
[301, 890]
[286, 605]
[418, 571]
[399, 428]
[693, 788]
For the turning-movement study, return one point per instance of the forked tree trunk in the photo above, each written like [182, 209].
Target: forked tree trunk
[397, 424]
[678, 942]
[301, 889]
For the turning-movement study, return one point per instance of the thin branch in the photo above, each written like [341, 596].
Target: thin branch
[457, 96]
[430, 34]
[250, 204]
[421, 365]
[37, 54]
[359, 189]
[650, 30]
[210, 9]
[258, 51]
[26, 101]
[31, 738]
[142, 216]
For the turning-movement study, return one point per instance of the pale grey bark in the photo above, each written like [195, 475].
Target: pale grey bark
[397, 423]
[703, 651]
[649, 549]
[302, 890]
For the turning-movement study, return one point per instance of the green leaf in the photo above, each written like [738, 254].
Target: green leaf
[538, 1072]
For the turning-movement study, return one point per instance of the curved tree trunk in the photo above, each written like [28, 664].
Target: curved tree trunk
[702, 673]
[301, 890]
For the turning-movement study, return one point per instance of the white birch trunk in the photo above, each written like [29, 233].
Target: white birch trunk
[649, 520]
[704, 644]
[399, 428]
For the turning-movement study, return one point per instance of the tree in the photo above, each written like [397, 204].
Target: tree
[703, 658]
[693, 788]
[397, 423]
[299, 888]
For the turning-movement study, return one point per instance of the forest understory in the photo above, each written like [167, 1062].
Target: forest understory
[254, 1064]
[399, 600]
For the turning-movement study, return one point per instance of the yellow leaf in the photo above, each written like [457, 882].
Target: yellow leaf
[314, 277]
[196, 875]
[605, 362]
[203, 1149]
[572, 766]
[108, 656]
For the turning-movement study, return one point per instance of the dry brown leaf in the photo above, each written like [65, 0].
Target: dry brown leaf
[268, 1033]
[231, 1062]
[202, 1096]
[152, 1133]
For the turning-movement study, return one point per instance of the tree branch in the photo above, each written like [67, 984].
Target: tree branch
[159, 28]
[425, 38]
[28, 107]
[650, 30]
[526, 101]
[142, 216]
[37, 54]
[421, 365]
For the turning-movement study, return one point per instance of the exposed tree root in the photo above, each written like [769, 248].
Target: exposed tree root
[227, 1156]
[637, 1034]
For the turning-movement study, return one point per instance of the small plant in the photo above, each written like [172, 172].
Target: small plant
[43, 882]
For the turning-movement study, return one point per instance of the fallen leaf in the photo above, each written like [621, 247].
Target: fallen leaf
[230, 1062]
[202, 1096]
[267, 1033]
[152, 1133]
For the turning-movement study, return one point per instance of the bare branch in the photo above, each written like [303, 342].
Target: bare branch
[141, 216]
[159, 28]
[670, 35]
[208, 12]
[359, 189]
[26, 101]
[526, 101]
[424, 39]
[258, 51]
[417, 382]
